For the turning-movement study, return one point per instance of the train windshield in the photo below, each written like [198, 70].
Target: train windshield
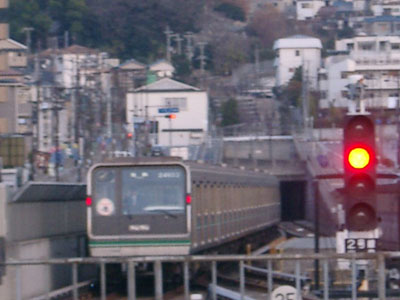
[153, 190]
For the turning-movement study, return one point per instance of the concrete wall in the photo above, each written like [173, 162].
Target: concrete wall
[266, 149]
[41, 230]
[42, 219]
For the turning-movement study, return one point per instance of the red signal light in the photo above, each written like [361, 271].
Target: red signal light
[359, 158]
[171, 116]
[188, 199]
[88, 201]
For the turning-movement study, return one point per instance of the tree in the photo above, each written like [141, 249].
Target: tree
[294, 87]
[229, 52]
[269, 25]
[182, 66]
[230, 114]
[24, 13]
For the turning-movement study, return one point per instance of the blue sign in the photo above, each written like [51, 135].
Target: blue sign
[168, 110]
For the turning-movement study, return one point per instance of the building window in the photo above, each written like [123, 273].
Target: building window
[365, 46]
[306, 5]
[180, 103]
[345, 94]
[395, 46]
[297, 52]
[3, 94]
[350, 46]
[291, 70]
[343, 75]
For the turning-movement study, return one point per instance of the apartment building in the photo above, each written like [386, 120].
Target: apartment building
[14, 105]
[308, 9]
[297, 51]
[376, 59]
[72, 80]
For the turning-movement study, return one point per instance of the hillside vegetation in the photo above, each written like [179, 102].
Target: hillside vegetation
[232, 29]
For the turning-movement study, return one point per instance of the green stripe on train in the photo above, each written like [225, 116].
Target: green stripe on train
[136, 243]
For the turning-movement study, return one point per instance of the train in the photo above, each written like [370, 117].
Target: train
[166, 206]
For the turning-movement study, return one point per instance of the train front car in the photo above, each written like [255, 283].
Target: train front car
[139, 208]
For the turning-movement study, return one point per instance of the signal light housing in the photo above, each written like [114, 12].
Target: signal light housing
[359, 156]
[170, 116]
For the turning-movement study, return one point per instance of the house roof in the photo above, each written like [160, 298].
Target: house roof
[155, 66]
[298, 42]
[74, 49]
[77, 49]
[132, 64]
[166, 84]
[157, 62]
[9, 44]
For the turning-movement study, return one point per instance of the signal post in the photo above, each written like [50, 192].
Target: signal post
[361, 221]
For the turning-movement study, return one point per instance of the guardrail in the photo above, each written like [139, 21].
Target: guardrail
[354, 259]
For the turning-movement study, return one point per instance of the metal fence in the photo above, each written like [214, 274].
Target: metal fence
[296, 266]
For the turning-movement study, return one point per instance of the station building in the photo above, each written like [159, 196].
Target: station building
[153, 103]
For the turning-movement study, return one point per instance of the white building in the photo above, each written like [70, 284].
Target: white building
[283, 6]
[297, 51]
[154, 101]
[74, 63]
[360, 5]
[162, 68]
[391, 8]
[307, 9]
[376, 59]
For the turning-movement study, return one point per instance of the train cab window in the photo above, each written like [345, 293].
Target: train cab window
[104, 192]
[147, 190]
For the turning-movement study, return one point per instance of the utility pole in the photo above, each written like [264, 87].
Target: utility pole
[202, 57]
[28, 31]
[257, 60]
[109, 111]
[179, 40]
[78, 139]
[189, 45]
[35, 117]
[66, 39]
[168, 33]
[304, 93]
[56, 107]
[77, 101]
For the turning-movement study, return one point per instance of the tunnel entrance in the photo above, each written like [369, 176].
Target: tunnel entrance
[293, 194]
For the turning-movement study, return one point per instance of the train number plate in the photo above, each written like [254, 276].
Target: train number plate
[360, 245]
